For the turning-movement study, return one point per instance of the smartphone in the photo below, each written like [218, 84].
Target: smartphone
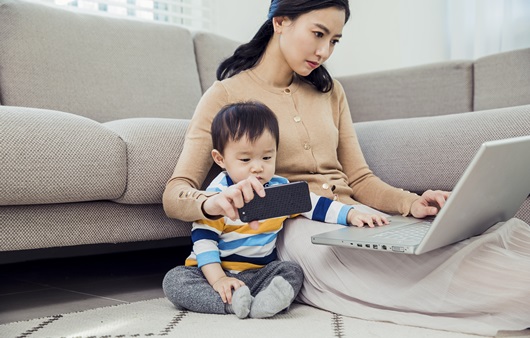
[280, 200]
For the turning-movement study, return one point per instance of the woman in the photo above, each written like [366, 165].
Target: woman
[455, 288]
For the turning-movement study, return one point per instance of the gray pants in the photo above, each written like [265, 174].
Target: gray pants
[186, 287]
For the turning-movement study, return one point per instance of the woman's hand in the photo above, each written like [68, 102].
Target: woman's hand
[359, 219]
[224, 286]
[430, 202]
[227, 202]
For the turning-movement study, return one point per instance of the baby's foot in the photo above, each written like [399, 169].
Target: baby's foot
[276, 297]
[241, 301]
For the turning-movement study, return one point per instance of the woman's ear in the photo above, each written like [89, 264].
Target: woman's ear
[218, 158]
[279, 23]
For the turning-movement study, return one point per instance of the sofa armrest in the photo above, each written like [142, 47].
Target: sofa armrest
[49, 156]
[423, 153]
[153, 148]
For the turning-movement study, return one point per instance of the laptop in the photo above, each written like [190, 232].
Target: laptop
[492, 189]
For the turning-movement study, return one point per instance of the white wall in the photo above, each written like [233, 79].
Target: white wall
[381, 34]
[387, 34]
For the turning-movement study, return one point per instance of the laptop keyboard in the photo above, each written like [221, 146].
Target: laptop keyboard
[414, 231]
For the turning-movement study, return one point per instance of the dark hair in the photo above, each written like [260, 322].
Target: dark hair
[250, 119]
[247, 55]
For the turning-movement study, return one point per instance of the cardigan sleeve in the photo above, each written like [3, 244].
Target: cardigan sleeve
[181, 198]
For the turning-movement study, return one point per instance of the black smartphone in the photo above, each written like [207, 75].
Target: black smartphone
[280, 200]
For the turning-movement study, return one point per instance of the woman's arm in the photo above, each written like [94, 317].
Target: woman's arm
[181, 198]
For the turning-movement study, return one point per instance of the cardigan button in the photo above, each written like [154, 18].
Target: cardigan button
[325, 186]
[297, 119]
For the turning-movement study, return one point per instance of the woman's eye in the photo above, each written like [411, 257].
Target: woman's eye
[319, 34]
[334, 42]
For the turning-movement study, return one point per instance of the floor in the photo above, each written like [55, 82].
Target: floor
[46, 287]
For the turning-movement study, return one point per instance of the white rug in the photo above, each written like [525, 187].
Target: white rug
[158, 318]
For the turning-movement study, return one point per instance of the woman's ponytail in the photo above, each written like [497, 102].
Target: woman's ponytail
[247, 55]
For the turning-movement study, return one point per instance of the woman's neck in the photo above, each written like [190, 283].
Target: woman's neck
[272, 68]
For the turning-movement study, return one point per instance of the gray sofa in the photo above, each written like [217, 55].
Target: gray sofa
[93, 112]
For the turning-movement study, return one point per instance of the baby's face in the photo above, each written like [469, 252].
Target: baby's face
[243, 158]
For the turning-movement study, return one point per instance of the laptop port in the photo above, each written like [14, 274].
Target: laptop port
[367, 245]
[383, 247]
[359, 245]
[375, 246]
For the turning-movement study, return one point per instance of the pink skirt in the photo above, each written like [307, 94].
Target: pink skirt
[479, 286]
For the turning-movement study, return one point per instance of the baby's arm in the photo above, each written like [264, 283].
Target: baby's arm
[329, 211]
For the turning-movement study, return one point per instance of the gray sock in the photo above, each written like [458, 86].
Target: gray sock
[276, 297]
[241, 301]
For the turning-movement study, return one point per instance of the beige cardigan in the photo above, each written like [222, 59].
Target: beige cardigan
[318, 144]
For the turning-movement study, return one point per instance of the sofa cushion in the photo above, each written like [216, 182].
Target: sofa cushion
[54, 157]
[502, 80]
[153, 148]
[432, 153]
[210, 50]
[95, 66]
[435, 89]
[26, 227]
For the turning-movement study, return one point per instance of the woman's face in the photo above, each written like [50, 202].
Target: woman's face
[309, 41]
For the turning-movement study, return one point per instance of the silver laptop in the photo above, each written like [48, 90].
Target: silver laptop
[491, 190]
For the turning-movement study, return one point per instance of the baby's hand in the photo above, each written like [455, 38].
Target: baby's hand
[224, 286]
[359, 219]
[234, 197]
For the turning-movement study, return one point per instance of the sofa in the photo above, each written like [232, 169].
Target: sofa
[94, 109]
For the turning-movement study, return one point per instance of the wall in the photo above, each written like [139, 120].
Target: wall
[381, 34]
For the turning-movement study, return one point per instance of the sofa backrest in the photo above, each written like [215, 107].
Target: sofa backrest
[94, 66]
[434, 89]
[502, 80]
[210, 50]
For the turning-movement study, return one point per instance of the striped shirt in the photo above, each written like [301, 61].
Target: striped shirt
[236, 246]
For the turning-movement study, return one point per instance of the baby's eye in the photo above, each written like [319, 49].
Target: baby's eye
[244, 159]
[266, 158]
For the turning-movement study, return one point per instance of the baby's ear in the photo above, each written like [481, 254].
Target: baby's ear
[218, 158]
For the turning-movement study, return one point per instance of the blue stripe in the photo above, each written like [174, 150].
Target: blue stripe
[321, 209]
[256, 240]
[343, 214]
[208, 257]
[198, 234]
[252, 260]
[275, 180]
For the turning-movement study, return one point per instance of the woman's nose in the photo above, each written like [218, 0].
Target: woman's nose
[324, 51]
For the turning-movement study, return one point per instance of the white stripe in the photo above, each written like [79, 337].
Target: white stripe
[251, 251]
[333, 212]
[204, 245]
[314, 201]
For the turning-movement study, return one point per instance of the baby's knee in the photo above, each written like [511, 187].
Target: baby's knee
[293, 268]
[172, 285]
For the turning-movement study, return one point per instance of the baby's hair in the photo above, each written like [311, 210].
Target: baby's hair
[250, 119]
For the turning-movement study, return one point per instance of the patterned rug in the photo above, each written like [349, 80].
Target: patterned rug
[158, 318]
